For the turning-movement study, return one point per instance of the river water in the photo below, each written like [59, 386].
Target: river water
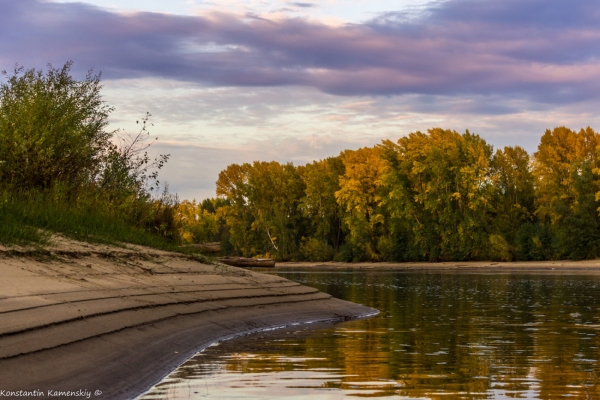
[439, 335]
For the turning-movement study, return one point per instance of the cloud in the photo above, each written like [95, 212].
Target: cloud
[279, 124]
[302, 5]
[544, 51]
[195, 164]
[192, 173]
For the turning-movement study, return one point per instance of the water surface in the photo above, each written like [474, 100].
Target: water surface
[439, 335]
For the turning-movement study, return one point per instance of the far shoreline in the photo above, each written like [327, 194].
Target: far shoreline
[545, 267]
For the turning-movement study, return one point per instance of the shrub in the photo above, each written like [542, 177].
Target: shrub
[60, 170]
[316, 250]
[52, 128]
[500, 249]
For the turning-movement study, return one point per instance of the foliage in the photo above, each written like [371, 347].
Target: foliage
[127, 168]
[566, 170]
[60, 170]
[319, 205]
[361, 197]
[264, 215]
[313, 249]
[52, 128]
[432, 196]
[200, 223]
[516, 194]
[441, 193]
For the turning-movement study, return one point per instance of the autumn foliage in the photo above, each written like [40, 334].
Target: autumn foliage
[432, 196]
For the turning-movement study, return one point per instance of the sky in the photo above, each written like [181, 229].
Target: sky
[236, 81]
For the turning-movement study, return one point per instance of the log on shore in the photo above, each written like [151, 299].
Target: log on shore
[212, 247]
[248, 262]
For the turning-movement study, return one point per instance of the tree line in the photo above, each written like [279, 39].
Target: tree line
[434, 196]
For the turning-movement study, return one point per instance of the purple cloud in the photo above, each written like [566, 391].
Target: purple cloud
[545, 51]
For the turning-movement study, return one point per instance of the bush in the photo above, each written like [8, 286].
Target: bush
[316, 250]
[52, 128]
[61, 172]
[499, 249]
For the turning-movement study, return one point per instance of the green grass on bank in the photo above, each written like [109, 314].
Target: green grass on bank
[27, 218]
[62, 171]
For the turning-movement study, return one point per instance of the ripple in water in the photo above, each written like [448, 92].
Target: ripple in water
[438, 336]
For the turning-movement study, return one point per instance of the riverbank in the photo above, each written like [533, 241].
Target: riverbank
[111, 321]
[564, 266]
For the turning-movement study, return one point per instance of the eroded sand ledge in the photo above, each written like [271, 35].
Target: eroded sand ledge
[116, 320]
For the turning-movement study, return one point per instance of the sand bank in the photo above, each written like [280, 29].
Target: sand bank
[108, 322]
[549, 267]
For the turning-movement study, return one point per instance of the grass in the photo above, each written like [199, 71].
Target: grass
[26, 219]
[14, 231]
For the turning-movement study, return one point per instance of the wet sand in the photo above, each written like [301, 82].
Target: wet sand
[110, 322]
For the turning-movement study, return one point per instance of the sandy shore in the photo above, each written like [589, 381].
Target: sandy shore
[109, 322]
[550, 267]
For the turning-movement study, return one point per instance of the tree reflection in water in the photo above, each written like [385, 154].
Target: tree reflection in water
[439, 335]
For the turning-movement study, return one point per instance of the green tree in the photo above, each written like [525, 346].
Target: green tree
[56, 157]
[515, 207]
[264, 216]
[440, 193]
[320, 208]
[274, 194]
[52, 128]
[232, 186]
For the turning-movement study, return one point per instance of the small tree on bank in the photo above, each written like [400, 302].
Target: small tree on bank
[52, 128]
[56, 153]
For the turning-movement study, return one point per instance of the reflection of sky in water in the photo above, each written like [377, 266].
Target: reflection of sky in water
[452, 335]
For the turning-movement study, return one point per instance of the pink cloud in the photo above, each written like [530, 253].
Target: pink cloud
[546, 51]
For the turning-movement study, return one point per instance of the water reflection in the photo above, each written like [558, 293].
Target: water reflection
[439, 335]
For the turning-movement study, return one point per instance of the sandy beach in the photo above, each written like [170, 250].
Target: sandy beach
[106, 322]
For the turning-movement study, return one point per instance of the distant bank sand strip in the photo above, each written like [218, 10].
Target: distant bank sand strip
[113, 323]
[546, 267]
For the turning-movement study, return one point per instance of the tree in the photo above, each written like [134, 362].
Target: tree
[440, 193]
[127, 169]
[320, 208]
[274, 193]
[514, 210]
[232, 185]
[52, 128]
[264, 216]
[361, 195]
[563, 167]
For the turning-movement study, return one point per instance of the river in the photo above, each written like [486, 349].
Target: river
[439, 335]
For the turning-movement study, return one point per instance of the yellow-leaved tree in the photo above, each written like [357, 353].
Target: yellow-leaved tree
[360, 195]
[566, 168]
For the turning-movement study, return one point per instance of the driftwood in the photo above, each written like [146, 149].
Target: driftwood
[247, 262]
[213, 247]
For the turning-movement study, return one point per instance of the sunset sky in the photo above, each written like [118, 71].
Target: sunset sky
[235, 81]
